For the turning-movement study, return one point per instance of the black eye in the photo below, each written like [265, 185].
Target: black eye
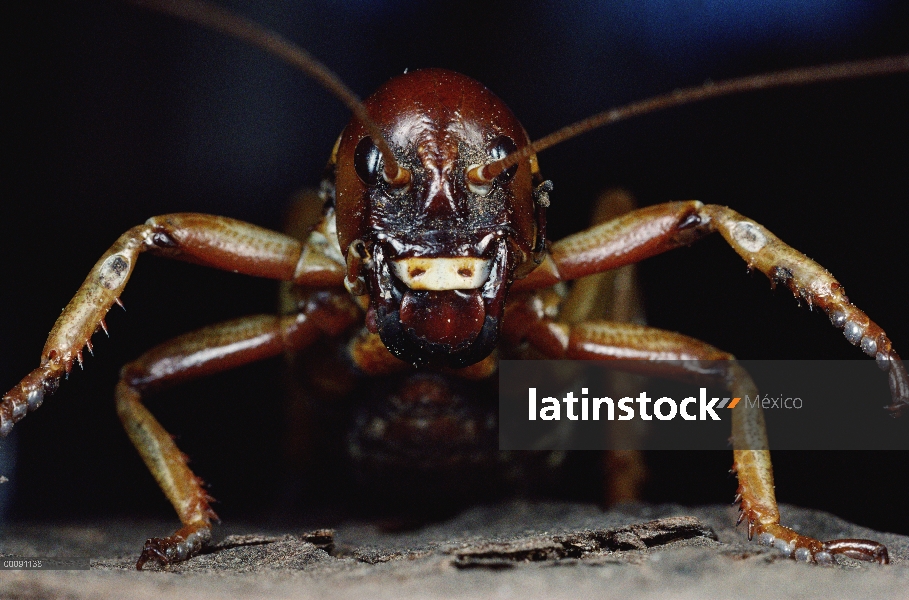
[367, 161]
[501, 147]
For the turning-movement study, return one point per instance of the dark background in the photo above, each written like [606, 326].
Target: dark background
[118, 114]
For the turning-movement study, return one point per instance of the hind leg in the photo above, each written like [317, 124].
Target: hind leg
[613, 295]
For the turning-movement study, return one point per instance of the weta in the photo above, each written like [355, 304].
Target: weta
[432, 252]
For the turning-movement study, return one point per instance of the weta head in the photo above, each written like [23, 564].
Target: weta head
[435, 251]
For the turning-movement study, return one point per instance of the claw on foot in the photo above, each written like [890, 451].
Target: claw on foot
[805, 549]
[859, 549]
[173, 549]
[799, 547]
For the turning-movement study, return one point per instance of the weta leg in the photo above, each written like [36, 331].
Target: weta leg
[612, 295]
[203, 352]
[604, 341]
[758, 506]
[181, 486]
[656, 229]
[208, 240]
[615, 296]
[626, 472]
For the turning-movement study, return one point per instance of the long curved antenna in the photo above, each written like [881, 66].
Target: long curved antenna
[802, 76]
[219, 19]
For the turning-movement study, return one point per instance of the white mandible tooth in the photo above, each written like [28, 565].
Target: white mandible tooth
[438, 274]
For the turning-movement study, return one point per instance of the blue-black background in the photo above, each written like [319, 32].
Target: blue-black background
[114, 114]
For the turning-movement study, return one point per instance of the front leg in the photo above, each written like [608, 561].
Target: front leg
[809, 281]
[657, 229]
[208, 240]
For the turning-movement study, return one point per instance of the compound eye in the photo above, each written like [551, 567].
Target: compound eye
[368, 161]
[501, 147]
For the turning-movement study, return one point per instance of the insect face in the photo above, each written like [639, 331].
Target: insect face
[436, 253]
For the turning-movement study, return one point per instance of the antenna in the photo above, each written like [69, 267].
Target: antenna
[219, 19]
[803, 76]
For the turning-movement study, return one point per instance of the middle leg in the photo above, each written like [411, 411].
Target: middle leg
[206, 351]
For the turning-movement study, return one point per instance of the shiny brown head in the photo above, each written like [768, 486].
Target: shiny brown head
[435, 251]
